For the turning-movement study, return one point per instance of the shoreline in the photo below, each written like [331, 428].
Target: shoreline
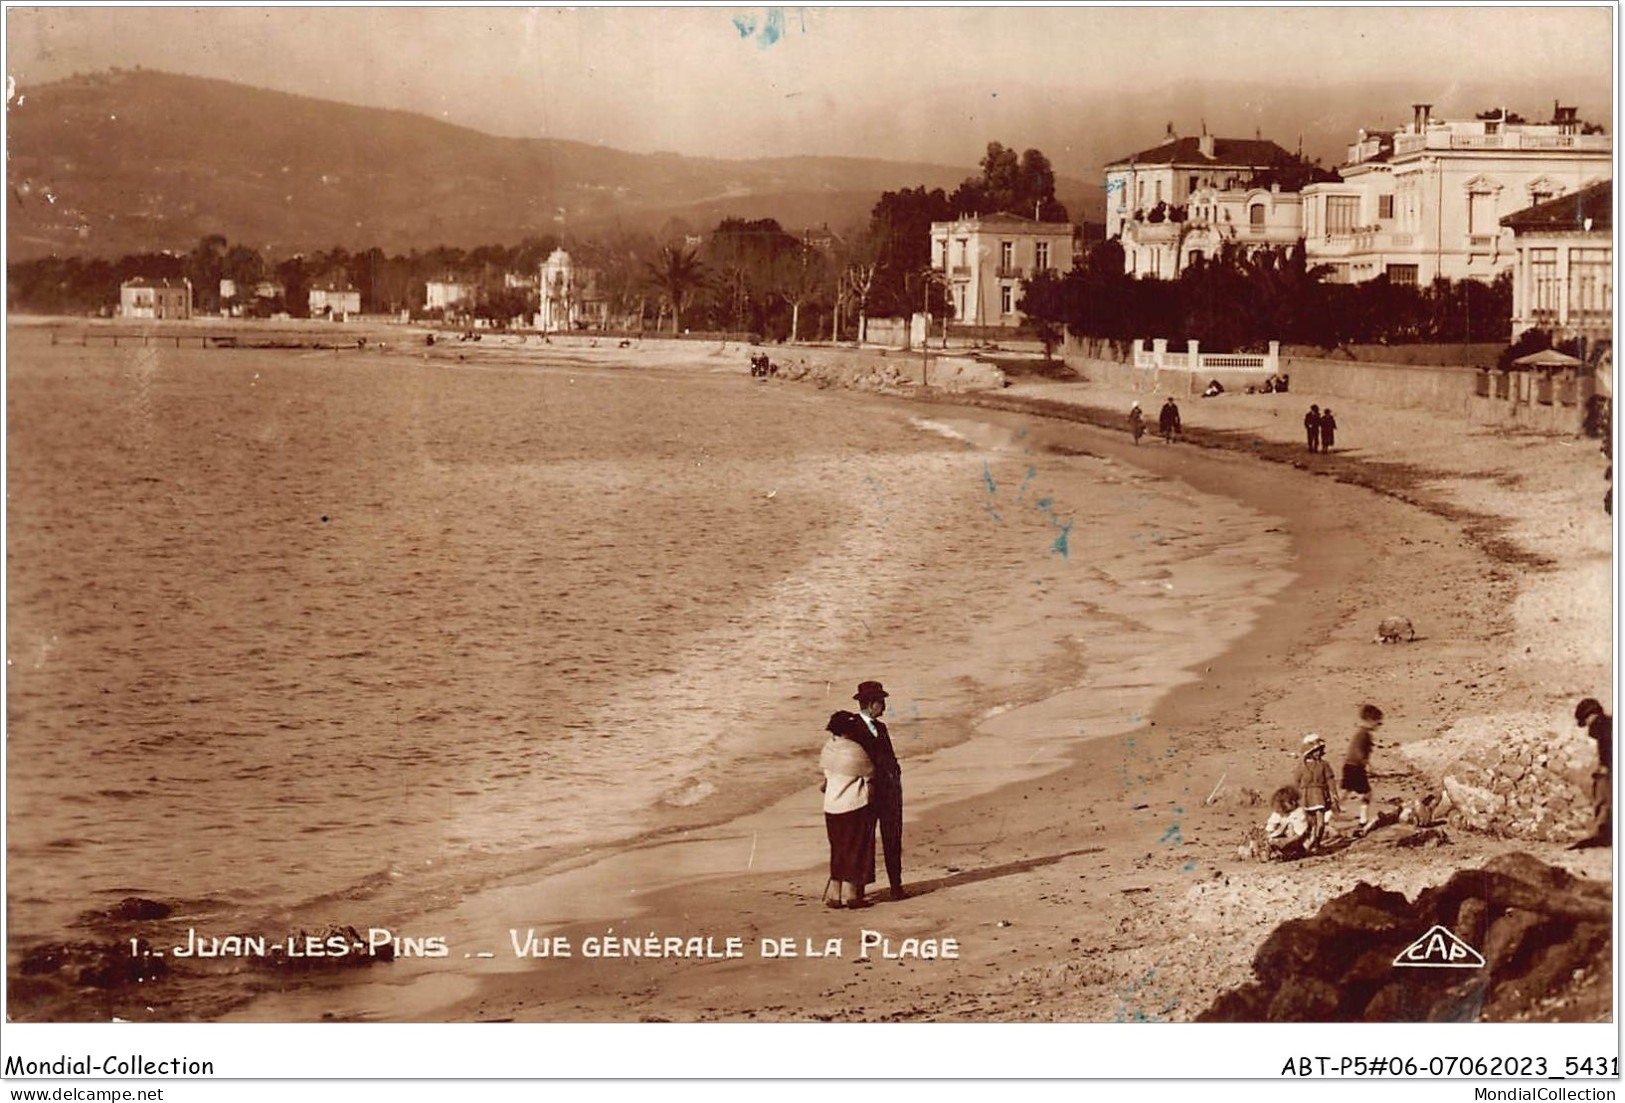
[1305, 629]
[1060, 888]
[773, 844]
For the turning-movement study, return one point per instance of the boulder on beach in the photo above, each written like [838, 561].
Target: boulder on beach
[1520, 777]
[91, 964]
[1535, 944]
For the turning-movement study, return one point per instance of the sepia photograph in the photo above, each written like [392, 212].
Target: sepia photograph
[871, 515]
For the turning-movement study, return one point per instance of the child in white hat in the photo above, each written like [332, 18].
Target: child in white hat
[1317, 788]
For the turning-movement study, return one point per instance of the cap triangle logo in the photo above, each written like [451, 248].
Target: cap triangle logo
[1440, 949]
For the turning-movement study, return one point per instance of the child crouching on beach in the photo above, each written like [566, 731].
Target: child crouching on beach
[1287, 827]
[1317, 789]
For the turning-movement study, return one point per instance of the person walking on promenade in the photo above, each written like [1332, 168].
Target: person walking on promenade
[1590, 715]
[1356, 782]
[1328, 430]
[888, 788]
[1311, 427]
[849, 815]
[1317, 789]
[1168, 421]
[1136, 422]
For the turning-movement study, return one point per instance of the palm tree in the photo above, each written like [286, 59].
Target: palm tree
[677, 273]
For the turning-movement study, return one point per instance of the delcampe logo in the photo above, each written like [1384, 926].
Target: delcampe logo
[1440, 949]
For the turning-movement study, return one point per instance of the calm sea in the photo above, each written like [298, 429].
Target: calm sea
[297, 638]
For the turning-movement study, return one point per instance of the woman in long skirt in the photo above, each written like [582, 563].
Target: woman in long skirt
[848, 815]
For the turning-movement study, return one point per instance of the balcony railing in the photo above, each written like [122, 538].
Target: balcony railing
[1444, 139]
[1010, 273]
[961, 270]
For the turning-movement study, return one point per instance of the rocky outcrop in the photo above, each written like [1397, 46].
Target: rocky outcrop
[1545, 938]
[1520, 777]
[95, 964]
[875, 372]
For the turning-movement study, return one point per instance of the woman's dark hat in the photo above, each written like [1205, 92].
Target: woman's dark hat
[870, 691]
[844, 723]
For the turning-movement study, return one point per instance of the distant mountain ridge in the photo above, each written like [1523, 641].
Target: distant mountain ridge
[132, 161]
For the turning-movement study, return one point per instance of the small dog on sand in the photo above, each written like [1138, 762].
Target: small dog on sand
[1395, 630]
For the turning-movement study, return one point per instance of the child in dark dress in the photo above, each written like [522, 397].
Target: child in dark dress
[1317, 789]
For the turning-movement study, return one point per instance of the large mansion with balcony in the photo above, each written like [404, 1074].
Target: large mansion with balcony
[1427, 201]
[1187, 198]
[984, 259]
[1165, 243]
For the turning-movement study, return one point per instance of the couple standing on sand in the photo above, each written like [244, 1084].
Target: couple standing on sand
[1168, 421]
[1321, 429]
[863, 786]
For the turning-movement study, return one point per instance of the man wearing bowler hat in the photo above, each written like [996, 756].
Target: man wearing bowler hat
[887, 792]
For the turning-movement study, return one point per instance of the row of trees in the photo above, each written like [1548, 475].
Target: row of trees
[1240, 299]
[744, 276]
[388, 284]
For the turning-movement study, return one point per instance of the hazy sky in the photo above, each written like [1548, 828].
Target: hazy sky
[752, 81]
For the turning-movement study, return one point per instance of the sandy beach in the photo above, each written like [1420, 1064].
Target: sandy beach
[1072, 857]
[1110, 890]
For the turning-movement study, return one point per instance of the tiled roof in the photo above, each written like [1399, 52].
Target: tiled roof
[1568, 212]
[155, 281]
[1246, 152]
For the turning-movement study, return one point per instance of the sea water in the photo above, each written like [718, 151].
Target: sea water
[299, 638]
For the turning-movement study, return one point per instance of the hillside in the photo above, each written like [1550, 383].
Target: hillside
[130, 161]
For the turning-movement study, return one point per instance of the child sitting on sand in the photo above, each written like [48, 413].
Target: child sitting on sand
[1287, 826]
[1282, 836]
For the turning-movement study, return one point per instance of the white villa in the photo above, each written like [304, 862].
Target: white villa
[1164, 245]
[1427, 201]
[984, 258]
[1563, 274]
[1167, 176]
[570, 298]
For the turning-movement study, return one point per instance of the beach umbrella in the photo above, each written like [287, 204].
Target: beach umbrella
[1547, 358]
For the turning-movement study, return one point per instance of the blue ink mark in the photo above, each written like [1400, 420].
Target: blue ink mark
[1188, 866]
[1044, 503]
[987, 477]
[1172, 834]
[1060, 545]
[775, 27]
[767, 32]
[1138, 991]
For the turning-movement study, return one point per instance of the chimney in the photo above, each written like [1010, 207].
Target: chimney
[1204, 144]
[1421, 116]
